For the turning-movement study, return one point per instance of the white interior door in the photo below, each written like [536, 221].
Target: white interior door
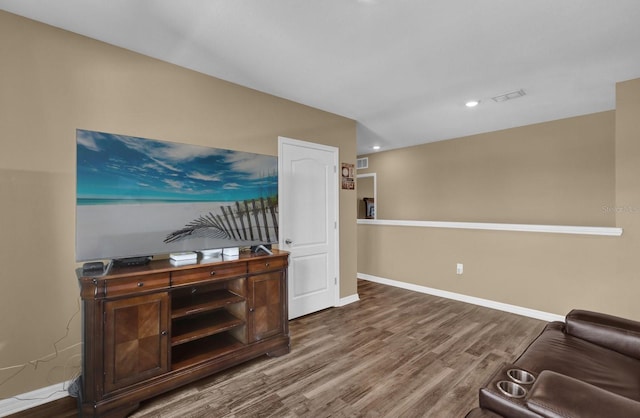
[308, 207]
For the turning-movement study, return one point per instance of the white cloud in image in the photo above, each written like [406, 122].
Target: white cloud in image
[85, 139]
[174, 184]
[253, 165]
[204, 177]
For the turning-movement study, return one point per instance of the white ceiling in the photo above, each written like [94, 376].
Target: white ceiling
[402, 68]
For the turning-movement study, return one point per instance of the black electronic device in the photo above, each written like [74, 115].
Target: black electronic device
[93, 268]
[132, 261]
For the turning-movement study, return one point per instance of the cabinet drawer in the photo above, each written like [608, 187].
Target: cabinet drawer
[266, 264]
[137, 284]
[207, 273]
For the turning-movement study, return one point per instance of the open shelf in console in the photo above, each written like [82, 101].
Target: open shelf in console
[188, 354]
[200, 302]
[196, 327]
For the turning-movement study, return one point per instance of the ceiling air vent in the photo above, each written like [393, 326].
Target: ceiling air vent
[509, 96]
[362, 163]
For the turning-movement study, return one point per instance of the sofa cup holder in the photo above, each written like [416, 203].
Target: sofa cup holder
[511, 389]
[520, 376]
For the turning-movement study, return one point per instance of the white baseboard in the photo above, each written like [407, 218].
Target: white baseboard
[348, 300]
[34, 398]
[518, 310]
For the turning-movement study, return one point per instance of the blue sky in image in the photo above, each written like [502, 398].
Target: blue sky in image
[117, 168]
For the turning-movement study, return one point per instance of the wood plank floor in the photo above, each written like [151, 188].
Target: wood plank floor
[395, 353]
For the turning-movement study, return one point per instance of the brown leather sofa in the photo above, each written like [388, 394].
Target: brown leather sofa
[588, 366]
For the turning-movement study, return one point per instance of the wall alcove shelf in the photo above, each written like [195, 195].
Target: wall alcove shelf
[149, 329]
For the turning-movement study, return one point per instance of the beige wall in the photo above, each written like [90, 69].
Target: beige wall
[627, 250]
[53, 82]
[577, 171]
[559, 172]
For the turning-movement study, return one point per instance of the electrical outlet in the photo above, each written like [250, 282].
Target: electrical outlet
[459, 268]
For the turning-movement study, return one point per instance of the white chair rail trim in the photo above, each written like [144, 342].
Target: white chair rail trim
[553, 229]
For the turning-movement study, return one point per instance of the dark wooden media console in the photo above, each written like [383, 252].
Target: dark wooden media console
[149, 329]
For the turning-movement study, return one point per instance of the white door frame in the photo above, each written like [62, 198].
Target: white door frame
[336, 190]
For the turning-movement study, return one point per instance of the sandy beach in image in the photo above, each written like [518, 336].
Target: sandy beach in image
[127, 230]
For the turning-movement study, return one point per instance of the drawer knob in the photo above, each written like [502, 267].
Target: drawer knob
[266, 264]
[140, 284]
[164, 332]
[213, 273]
[251, 309]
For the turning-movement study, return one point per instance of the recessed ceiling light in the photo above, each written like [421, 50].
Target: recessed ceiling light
[472, 103]
[376, 147]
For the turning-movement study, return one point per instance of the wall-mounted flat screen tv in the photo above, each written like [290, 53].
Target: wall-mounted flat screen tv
[139, 197]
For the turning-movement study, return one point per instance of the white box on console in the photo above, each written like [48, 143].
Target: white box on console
[178, 263]
[216, 252]
[185, 256]
[235, 251]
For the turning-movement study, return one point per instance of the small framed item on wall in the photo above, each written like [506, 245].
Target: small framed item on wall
[348, 176]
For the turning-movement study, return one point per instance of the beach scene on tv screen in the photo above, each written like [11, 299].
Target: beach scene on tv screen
[139, 197]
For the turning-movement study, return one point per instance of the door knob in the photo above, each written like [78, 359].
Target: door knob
[288, 241]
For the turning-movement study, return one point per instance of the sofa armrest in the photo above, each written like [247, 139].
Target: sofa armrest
[618, 334]
[554, 395]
